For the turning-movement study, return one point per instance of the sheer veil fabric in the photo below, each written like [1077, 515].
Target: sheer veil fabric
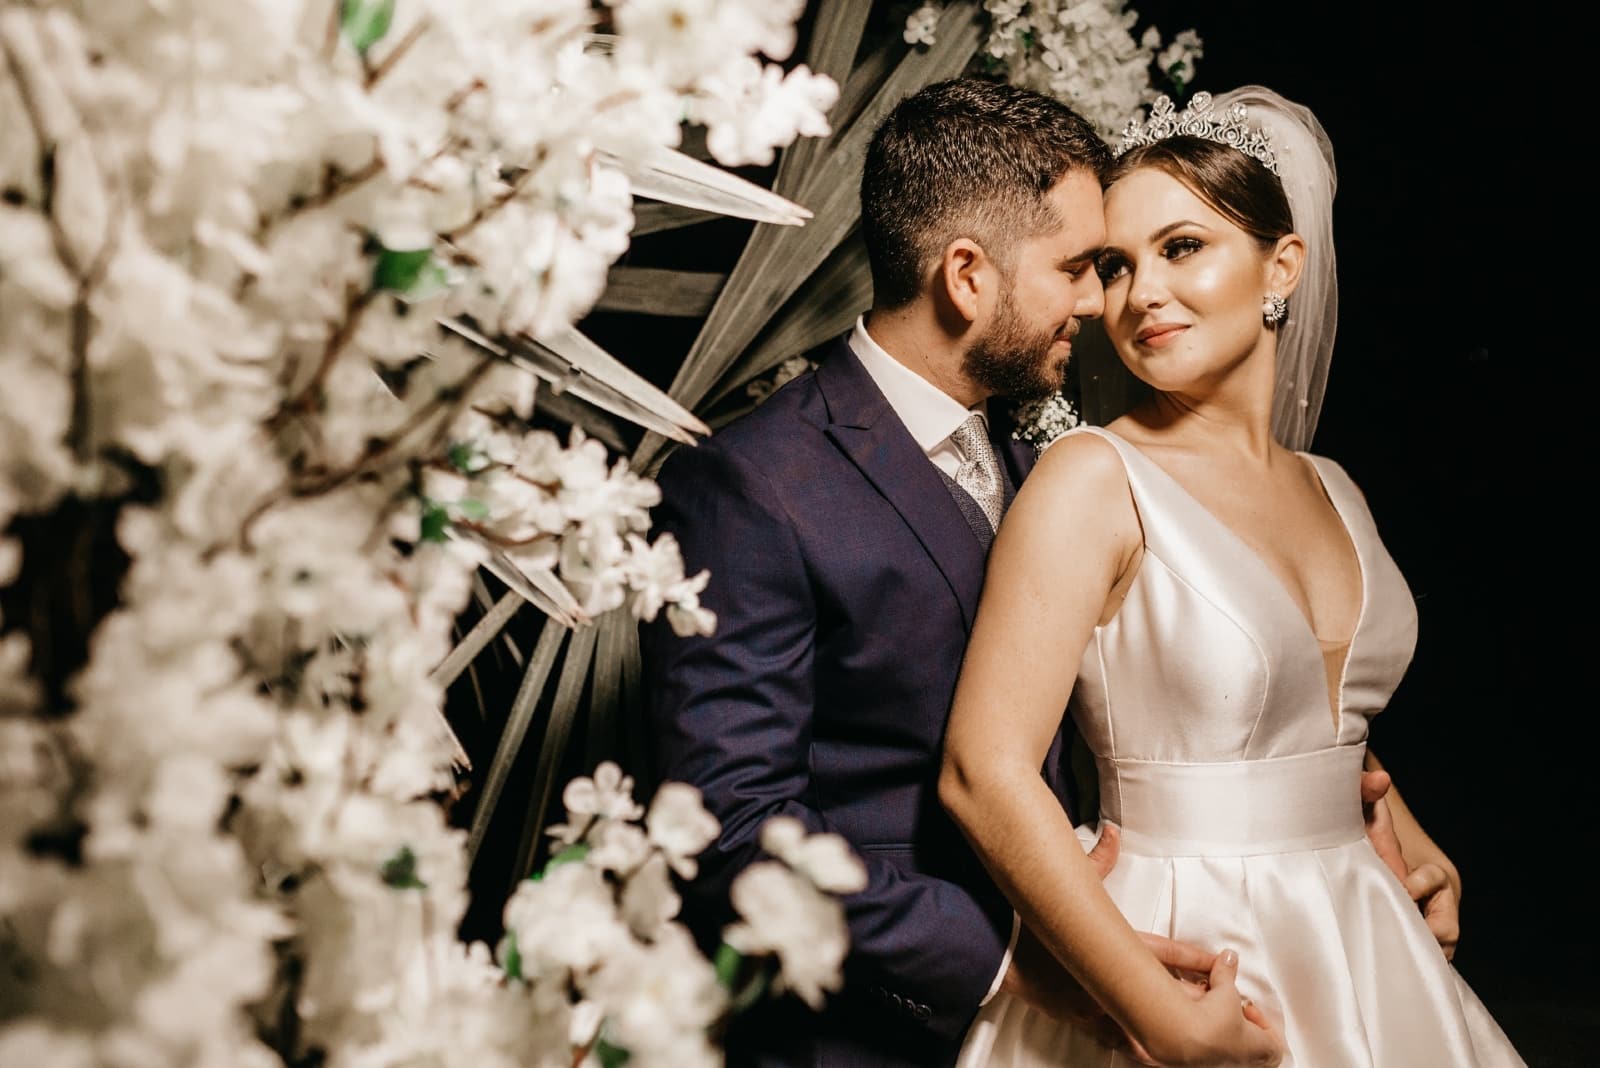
[1305, 339]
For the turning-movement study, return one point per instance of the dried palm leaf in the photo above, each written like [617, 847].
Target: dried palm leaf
[659, 291]
[482, 633]
[651, 217]
[516, 731]
[662, 173]
[563, 711]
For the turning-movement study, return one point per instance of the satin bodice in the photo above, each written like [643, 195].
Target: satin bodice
[1209, 658]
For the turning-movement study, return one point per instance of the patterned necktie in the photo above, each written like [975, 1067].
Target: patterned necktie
[979, 473]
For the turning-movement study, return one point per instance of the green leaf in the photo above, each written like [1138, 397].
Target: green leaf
[462, 456]
[610, 1056]
[400, 871]
[435, 521]
[752, 991]
[511, 957]
[364, 22]
[727, 961]
[472, 508]
[431, 280]
[400, 269]
[574, 852]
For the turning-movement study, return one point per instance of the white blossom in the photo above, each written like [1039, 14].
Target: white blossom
[1081, 51]
[920, 25]
[825, 859]
[680, 826]
[660, 998]
[606, 796]
[785, 915]
[649, 900]
[565, 921]
[617, 847]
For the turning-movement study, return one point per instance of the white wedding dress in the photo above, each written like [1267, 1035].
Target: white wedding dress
[1236, 787]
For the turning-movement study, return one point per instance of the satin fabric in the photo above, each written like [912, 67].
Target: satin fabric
[1233, 775]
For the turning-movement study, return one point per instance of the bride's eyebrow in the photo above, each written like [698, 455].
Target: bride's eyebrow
[1167, 229]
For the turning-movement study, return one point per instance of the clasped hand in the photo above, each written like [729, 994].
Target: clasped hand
[1226, 1027]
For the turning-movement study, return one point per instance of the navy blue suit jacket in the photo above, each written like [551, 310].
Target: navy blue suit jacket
[844, 578]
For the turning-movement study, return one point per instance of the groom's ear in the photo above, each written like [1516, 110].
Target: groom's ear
[965, 278]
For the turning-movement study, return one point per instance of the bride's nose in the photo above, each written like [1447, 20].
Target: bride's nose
[1146, 290]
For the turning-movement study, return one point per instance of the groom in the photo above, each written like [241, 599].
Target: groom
[846, 524]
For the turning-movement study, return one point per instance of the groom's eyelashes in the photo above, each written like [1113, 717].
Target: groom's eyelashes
[1076, 267]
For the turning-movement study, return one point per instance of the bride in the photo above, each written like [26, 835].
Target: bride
[1218, 608]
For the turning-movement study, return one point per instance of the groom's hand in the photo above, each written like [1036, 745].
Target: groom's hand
[1427, 883]
[1380, 826]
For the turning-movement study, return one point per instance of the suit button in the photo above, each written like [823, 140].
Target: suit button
[922, 1013]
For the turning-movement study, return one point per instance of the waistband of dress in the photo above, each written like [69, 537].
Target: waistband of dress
[1235, 808]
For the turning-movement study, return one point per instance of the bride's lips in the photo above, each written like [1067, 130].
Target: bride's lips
[1158, 334]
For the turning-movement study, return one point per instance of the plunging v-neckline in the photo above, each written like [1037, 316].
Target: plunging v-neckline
[1335, 696]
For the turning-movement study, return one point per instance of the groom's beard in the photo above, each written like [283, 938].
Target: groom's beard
[1012, 359]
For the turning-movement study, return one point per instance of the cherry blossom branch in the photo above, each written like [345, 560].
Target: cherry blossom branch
[447, 400]
[496, 204]
[375, 74]
[81, 319]
[355, 309]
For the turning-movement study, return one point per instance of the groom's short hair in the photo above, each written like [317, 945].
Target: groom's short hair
[968, 157]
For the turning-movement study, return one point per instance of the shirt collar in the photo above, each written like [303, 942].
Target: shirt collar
[930, 413]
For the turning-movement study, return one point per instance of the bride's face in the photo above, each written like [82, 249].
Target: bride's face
[1183, 284]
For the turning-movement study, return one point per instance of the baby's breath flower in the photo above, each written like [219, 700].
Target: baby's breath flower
[1042, 421]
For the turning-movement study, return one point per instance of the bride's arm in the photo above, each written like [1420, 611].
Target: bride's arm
[1066, 539]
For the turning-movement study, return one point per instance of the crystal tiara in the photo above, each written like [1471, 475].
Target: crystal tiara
[1198, 120]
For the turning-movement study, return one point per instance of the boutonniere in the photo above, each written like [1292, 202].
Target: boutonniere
[1041, 421]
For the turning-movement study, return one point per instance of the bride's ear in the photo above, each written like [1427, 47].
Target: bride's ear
[1284, 264]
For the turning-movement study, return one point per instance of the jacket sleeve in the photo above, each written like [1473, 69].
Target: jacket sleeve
[732, 714]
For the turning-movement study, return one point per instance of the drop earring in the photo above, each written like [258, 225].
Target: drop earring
[1274, 308]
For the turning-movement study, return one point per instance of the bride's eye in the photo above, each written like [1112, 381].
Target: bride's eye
[1110, 266]
[1179, 247]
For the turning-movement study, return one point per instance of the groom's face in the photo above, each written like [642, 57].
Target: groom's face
[1051, 288]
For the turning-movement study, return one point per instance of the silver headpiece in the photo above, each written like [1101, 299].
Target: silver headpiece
[1230, 128]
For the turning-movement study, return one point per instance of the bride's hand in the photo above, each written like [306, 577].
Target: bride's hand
[1225, 1027]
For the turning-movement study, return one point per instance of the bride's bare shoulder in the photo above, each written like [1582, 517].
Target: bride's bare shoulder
[1082, 457]
[1080, 472]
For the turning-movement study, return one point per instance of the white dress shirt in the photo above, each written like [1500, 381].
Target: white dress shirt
[931, 415]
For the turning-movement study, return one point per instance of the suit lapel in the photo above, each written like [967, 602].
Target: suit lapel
[866, 429]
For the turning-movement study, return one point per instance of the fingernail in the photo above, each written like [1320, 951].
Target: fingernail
[1230, 958]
